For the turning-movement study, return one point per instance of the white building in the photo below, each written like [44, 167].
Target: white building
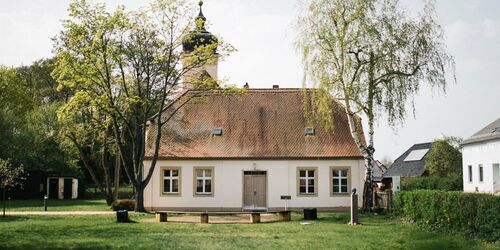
[232, 152]
[481, 160]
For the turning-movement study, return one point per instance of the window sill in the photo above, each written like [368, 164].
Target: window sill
[203, 195]
[307, 195]
[340, 194]
[170, 194]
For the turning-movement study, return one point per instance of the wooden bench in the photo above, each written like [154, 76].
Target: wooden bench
[162, 216]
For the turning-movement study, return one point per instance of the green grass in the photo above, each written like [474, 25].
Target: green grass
[329, 232]
[57, 205]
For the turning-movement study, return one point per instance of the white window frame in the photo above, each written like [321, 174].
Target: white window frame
[171, 178]
[307, 178]
[203, 178]
[340, 178]
[480, 170]
[470, 173]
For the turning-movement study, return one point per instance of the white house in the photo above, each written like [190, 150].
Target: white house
[234, 152]
[481, 160]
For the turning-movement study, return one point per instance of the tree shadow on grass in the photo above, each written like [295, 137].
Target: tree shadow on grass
[10, 218]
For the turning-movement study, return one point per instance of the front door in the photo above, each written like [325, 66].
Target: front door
[254, 190]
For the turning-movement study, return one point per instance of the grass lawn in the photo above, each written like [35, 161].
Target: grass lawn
[57, 205]
[330, 231]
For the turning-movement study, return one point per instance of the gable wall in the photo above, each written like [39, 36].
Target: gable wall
[485, 153]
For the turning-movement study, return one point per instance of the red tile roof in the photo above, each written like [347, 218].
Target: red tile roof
[258, 124]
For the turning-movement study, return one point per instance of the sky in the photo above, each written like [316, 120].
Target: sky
[262, 31]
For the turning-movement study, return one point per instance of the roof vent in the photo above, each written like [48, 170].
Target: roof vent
[309, 131]
[276, 86]
[217, 131]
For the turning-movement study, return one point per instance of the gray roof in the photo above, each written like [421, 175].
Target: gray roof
[408, 168]
[378, 170]
[490, 132]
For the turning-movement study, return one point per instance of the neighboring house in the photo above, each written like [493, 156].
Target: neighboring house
[378, 173]
[411, 163]
[233, 152]
[481, 160]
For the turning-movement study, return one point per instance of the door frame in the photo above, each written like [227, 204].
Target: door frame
[243, 187]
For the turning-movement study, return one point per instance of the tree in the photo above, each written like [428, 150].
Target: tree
[373, 57]
[11, 175]
[443, 159]
[42, 85]
[89, 131]
[128, 66]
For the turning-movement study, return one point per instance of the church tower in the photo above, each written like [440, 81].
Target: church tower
[198, 37]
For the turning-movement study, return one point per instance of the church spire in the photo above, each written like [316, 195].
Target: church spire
[199, 36]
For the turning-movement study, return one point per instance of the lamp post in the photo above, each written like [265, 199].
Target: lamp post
[45, 198]
[3, 200]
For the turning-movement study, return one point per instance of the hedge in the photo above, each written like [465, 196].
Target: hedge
[451, 183]
[475, 214]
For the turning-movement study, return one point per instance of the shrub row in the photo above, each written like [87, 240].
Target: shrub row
[474, 214]
[125, 204]
[450, 183]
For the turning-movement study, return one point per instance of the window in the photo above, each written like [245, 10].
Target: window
[171, 180]
[340, 180]
[217, 131]
[480, 172]
[307, 180]
[203, 181]
[470, 173]
[309, 131]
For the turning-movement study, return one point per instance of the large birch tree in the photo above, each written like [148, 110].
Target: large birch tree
[374, 57]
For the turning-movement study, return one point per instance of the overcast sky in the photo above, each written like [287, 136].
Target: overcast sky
[262, 31]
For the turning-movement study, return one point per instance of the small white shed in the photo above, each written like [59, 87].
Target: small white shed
[61, 187]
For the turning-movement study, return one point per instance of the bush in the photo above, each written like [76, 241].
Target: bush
[450, 183]
[474, 214]
[125, 204]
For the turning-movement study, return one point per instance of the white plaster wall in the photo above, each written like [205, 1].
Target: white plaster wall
[74, 187]
[228, 183]
[61, 189]
[485, 153]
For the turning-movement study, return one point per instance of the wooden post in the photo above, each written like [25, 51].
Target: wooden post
[354, 208]
[204, 218]
[3, 200]
[255, 217]
[285, 216]
[161, 217]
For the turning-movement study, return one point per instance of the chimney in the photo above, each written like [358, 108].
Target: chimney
[276, 86]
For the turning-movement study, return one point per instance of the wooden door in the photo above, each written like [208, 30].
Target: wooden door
[254, 190]
[260, 190]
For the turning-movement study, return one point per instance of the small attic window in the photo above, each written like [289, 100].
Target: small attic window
[309, 131]
[217, 131]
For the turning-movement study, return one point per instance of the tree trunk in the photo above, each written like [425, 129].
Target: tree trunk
[368, 185]
[117, 176]
[139, 198]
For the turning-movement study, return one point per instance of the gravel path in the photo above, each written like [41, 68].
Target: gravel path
[59, 212]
